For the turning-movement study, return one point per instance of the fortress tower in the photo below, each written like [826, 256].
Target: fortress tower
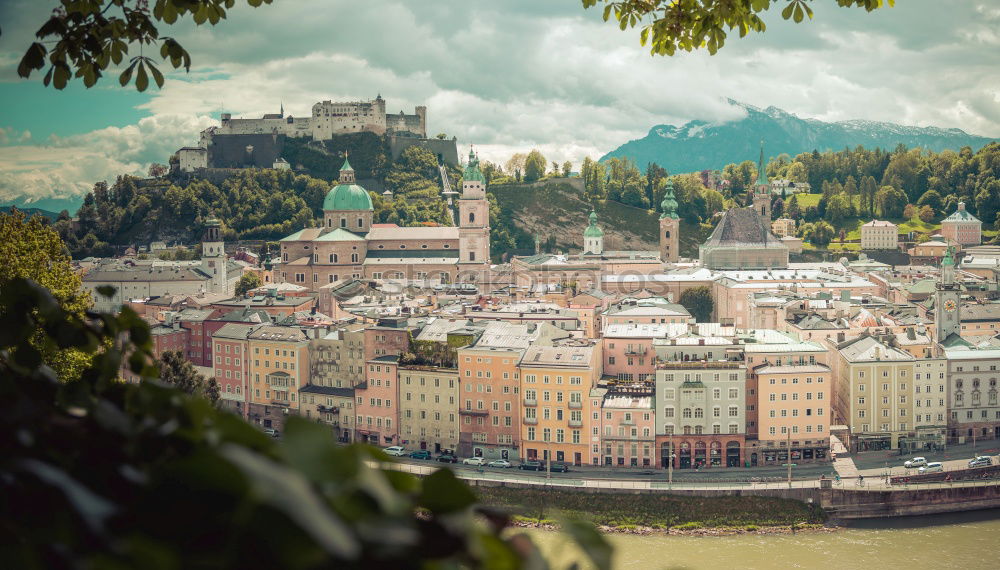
[670, 225]
[473, 224]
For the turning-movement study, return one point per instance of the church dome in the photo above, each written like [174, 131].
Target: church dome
[592, 230]
[348, 197]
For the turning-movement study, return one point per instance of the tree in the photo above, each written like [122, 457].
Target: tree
[534, 166]
[441, 136]
[931, 198]
[926, 214]
[179, 372]
[30, 249]
[698, 301]
[144, 475]
[890, 202]
[84, 39]
[555, 169]
[567, 169]
[668, 25]
[822, 234]
[248, 281]
[157, 170]
[839, 208]
[515, 165]
[909, 211]
[792, 210]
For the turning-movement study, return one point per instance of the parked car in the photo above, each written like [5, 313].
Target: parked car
[479, 461]
[981, 461]
[501, 463]
[558, 467]
[420, 454]
[915, 462]
[271, 432]
[446, 458]
[933, 467]
[531, 466]
[395, 451]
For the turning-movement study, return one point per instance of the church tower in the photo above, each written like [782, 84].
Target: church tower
[946, 300]
[213, 257]
[670, 225]
[473, 223]
[762, 191]
[593, 237]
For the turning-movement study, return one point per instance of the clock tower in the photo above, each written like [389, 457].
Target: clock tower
[946, 300]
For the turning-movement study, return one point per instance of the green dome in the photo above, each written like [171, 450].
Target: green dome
[592, 230]
[348, 197]
[472, 172]
[669, 204]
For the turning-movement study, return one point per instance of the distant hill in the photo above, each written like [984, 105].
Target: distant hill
[699, 145]
[46, 204]
[31, 212]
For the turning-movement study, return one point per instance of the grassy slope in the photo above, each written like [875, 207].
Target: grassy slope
[556, 208]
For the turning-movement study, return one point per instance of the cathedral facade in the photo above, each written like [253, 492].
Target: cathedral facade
[350, 246]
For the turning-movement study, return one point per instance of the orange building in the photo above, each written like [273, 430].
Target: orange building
[279, 366]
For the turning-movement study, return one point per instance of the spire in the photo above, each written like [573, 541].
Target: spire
[347, 164]
[346, 172]
[472, 172]
[761, 174]
[669, 204]
[282, 109]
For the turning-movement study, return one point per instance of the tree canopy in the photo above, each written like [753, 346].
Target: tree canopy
[669, 25]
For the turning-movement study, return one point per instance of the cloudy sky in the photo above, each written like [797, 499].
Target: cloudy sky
[505, 76]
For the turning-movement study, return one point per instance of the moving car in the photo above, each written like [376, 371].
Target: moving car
[420, 454]
[271, 432]
[474, 461]
[395, 451]
[501, 463]
[933, 467]
[446, 458]
[915, 462]
[531, 466]
[558, 467]
[981, 461]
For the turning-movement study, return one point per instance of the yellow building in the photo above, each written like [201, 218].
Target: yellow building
[428, 407]
[556, 383]
[279, 367]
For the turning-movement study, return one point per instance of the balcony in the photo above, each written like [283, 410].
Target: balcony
[699, 365]
[328, 409]
[474, 412]
[575, 405]
[530, 402]
[627, 422]
[530, 421]
[576, 423]
[639, 351]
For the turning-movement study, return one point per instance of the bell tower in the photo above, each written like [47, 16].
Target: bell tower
[213, 256]
[593, 237]
[473, 223]
[947, 320]
[762, 191]
[670, 225]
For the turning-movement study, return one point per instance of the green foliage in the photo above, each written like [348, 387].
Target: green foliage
[890, 202]
[102, 474]
[248, 281]
[369, 154]
[698, 301]
[30, 249]
[669, 25]
[820, 234]
[534, 166]
[431, 353]
[180, 373]
[85, 39]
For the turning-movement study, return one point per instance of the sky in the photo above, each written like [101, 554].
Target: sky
[505, 76]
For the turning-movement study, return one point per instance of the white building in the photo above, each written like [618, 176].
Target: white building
[879, 234]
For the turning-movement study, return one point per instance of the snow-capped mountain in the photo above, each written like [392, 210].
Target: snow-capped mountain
[698, 145]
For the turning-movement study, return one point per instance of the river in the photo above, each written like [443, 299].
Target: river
[965, 541]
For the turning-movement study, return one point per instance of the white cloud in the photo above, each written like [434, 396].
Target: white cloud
[514, 75]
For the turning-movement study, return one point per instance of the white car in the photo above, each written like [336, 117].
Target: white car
[934, 467]
[915, 462]
[474, 461]
[395, 451]
[501, 463]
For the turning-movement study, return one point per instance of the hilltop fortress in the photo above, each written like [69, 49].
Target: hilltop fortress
[258, 143]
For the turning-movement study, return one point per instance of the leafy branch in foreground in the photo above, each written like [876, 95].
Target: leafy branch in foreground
[669, 25]
[83, 39]
[97, 473]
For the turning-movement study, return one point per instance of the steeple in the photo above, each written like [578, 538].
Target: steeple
[668, 206]
[761, 173]
[593, 237]
[948, 267]
[346, 172]
[282, 109]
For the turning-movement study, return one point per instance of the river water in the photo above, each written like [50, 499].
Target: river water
[964, 541]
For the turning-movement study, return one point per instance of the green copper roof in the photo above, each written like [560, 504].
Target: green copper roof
[948, 259]
[347, 165]
[472, 171]
[348, 197]
[961, 215]
[339, 234]
[669, 204]
[592, 230]
[761, 173]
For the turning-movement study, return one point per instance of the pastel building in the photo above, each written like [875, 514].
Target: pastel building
[429, 407]
[628, 428]
[962, 227]
[879, 235]
[628, 350]
[232, 364]
[376, 406]
[279, 368]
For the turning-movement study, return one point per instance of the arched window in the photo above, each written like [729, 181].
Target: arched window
[472, 217]
[667, 234]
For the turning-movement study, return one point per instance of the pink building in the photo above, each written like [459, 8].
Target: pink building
[377, 406]
[231, 365]
[628, 350]
[627, 428]
[962, 227]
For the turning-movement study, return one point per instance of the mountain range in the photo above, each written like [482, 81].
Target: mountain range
[700, 145]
